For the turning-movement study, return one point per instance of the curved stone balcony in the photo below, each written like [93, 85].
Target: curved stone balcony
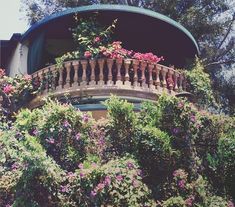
[98, 78]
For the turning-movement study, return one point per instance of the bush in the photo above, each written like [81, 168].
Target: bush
[199, 84]
[27, 176]
[116, 183]
[62, 130]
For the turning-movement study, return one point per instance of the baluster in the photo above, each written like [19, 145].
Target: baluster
[135, 67]
[164, 71]
[184, 83]
[48, 78]
[143, 78]
[119, 65]
[157, 81]
[68, 69]
[92, 64]
[127, 63]
[150, 69]
[84, 64]
[181, 82]
[170, 79]
[41, 78]
[176, 76]
[110, 76]
[75, 78]
[101, 75]
[61, 70]
[54, 76]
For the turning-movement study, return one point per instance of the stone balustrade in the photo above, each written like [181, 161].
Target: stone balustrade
[101, 77]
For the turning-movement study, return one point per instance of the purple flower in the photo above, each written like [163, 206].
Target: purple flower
[101, 141]
[66, 124]
[175, 130]
[189, 201]
[35, 132]
[140, 173]
[100, 186]
[107, 180]
[181, 183]
[193, 118]
[130, 165]
[93, 193]
[15, 166]
[50, 141]
[135, 183]
[119, 177]
[230, 204]
[71, 175]
[81, 166]
[64, 188]
[78, 136]
[8, 205]
[85, 117]
[82, 175]
[181, 104]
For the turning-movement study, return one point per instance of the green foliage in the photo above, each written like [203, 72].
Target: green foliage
[169, 152]
[61, 129]
[222, 162]
[200, 85]
[122, 124]
[116, 183]
[89, 35]
[25, 166]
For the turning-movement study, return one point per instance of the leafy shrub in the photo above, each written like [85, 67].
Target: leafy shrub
[28, 177]
[223, 162]
[122, 123]
[200, 85]
[116, 183]
[62, 130]
[184, 193]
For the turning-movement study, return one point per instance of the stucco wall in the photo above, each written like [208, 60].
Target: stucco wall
[18, 60]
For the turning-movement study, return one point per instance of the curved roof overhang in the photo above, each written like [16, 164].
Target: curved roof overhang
[139, 29]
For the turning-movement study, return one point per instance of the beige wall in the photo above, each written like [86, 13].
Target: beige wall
[18, 60]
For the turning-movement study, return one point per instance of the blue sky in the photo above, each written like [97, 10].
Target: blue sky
[11, 19]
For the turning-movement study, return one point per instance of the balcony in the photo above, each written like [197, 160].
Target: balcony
[98, 78]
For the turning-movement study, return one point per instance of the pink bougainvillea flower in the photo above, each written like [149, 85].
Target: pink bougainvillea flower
[93, 193]
[81, 166]
[27, 77]
[230, 204]
[64, 188]
[189, 201]
[180, 104]
[100, 187]
[97, 39]
[181, 183]
[66, 124]
[107, 180]
[193, 118]
[135, 183]
[8, 89]
[78, 136]
[87, 54]
[82, 175]
[130, 165]
[119, 177]
[50, 141]
[85, 117]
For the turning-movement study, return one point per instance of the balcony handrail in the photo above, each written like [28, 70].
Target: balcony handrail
[122, 73]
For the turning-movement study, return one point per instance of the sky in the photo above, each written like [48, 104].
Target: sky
[11, 19]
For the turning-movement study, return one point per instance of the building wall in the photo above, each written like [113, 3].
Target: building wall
[18, 60]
